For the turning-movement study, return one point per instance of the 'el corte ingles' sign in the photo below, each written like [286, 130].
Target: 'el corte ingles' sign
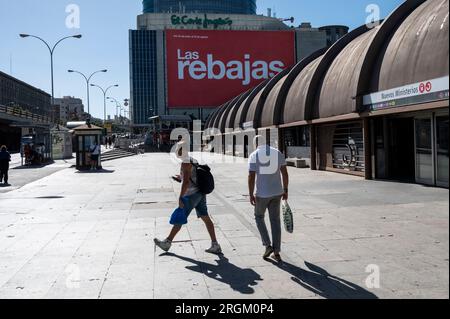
[205, 22]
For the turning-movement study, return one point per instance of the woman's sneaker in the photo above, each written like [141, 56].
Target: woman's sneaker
[215, 249]
[163, 244]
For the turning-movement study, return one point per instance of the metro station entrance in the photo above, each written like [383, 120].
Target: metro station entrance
[412, 148]
[401, 149]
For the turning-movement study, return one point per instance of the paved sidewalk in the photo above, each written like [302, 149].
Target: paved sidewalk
[90, 235]
[20, 176]
[16, 160]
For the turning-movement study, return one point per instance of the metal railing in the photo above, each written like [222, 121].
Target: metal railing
[25, 114]
[132, 145]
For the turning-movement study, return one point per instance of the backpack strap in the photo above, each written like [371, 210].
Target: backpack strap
[196, 167]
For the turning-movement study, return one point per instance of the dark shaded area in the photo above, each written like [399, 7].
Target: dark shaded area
[100, 171]
[25, 167]
[324, 284]
[50, 197]
[239, 279]
[20, 177]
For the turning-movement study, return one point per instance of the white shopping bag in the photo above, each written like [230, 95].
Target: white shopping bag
[288, 218]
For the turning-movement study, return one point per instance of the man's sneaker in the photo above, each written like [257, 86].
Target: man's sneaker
[277, 258]
[269, 251]
[215, 249]
[163, 244]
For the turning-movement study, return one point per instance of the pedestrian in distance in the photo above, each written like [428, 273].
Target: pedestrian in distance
[268, 171]
[110, 142]
[95, 154]
[5, 158]
[191, 197]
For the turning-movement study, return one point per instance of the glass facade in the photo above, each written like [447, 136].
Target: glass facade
[143, 75]
[200, 6]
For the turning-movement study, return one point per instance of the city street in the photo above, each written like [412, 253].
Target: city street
[70, 234]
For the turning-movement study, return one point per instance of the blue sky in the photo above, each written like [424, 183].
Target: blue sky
[104, 25]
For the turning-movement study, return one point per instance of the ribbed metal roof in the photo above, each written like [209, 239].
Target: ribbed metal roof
[418, 50]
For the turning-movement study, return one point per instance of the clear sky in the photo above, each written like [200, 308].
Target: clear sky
[104, 25]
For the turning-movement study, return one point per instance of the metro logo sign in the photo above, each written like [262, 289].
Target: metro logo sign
[208, 68]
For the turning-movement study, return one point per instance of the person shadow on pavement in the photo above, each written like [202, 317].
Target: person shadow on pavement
[324, 284]
[239, 279]
[99, 171]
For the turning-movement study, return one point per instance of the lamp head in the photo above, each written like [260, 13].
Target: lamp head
[78, 36]
[70, 71]
[23, 35]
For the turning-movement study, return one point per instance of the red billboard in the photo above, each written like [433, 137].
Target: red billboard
[207, 68]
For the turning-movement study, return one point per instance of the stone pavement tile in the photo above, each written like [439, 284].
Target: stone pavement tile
[243, 241]
[104, 215]
[36, 239]
[251, 261]
[12, 232]
[133, 255]
[348, 249]
[69, 288]
[405, 280]
[34, 279]
[123, 279]
[237, 233]
[336, 268]
[181, 286]
[426, 293]
[321, 233]
[282, 284]
[303, 244]
[128, 295]
[248, 250]
[238, 292]
[157, 197]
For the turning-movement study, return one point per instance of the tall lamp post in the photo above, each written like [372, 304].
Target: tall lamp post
[104, 96]
[117, 105]
[51, 50]
[88, 79]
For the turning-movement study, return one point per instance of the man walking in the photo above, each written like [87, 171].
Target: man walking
[266, 167]
[5, 158]
[190, 198]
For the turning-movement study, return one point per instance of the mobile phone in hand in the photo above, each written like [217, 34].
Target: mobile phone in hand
[176, 179]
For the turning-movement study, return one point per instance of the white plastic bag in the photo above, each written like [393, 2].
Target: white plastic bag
[288, 218]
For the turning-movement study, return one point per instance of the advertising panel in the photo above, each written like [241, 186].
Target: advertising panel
[206, 68]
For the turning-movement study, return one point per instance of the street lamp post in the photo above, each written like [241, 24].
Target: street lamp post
[117, 105]
[51, 50]
[104, 97]
[88, 79]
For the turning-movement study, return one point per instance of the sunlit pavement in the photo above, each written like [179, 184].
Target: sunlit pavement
[90, 235]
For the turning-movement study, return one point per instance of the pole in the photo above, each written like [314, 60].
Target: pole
[104, 102]
[53, 83]
[88, 101]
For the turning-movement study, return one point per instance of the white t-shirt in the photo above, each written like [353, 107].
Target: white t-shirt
[266, 162]
[192, 189]
[95, 149]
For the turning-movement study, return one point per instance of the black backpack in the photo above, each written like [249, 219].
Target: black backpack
[205, 179]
